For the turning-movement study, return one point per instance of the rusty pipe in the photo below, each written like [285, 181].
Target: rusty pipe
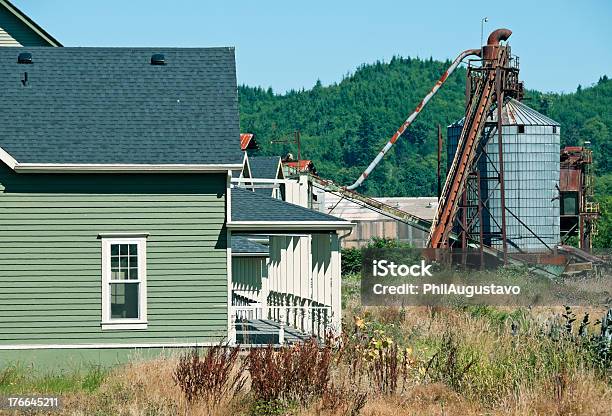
[497, 36]
[491, 49]
[412, 116]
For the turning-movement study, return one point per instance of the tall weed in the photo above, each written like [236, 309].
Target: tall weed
[210, 378]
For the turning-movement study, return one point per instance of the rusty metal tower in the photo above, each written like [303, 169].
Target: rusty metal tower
[489, 83]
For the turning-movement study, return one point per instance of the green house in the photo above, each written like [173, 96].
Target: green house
[17, 29]
[117, 209]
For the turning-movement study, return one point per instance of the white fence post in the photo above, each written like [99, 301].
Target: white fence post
[281, 328]
[232, 332]
[336, 285]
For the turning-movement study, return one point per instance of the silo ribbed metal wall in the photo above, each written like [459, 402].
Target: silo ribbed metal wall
[531, 171]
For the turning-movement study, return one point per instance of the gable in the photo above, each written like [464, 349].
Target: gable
[17, 29]
[265, 167]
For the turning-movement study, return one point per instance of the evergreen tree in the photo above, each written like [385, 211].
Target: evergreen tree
[344, 125]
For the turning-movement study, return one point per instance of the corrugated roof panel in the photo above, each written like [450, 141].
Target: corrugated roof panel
[246, 141]
[516, 113]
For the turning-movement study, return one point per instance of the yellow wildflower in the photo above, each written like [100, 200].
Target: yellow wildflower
[359, 322]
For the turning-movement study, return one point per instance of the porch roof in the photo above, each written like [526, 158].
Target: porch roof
[242, 246]
[253, 211]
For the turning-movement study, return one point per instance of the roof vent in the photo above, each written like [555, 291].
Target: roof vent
[24, 58]
[158, 59]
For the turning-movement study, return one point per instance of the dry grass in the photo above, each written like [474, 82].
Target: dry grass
[491, 361]
[579, 394]
[142, 388]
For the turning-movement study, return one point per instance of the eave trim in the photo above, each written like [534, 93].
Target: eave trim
[290, 225]
[8, 159]
[104, 346]
[123, 235]
[120, 168]
[234, 254]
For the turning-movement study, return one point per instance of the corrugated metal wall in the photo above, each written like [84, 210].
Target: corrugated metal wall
[531, 171]
[365, 230]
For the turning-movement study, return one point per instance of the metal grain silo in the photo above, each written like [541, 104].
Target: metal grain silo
[531, 145]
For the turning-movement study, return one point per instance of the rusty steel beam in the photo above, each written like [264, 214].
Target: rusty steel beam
[464, 220]
[494, 56]
[412, 116]
[457, 175]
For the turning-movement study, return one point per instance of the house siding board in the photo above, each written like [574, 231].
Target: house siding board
[50, 268]
[14, 32]
[6, 39]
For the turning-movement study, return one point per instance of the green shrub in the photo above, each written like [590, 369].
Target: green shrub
[270, 408]
[351, 261]
[352, 258]
[384, 242]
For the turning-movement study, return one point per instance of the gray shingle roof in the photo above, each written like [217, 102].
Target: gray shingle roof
[111, 106]
[251, 206]
[265, 191]
[242, 245]
[264, 167]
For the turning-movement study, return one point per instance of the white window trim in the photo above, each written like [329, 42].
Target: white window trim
[124, 324]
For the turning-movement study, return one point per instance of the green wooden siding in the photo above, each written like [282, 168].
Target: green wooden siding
[50, 256]
[14, 32]
[46, 361]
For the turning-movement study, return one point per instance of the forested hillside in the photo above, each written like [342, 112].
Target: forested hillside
[584, 115]
[344, 125]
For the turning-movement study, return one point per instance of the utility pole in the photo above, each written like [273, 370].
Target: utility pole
[295, 139]
[482, 22]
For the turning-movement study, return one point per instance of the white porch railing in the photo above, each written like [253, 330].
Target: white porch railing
[247, 312]
[308, 320]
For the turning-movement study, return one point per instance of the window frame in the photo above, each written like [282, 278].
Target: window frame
[124, 323]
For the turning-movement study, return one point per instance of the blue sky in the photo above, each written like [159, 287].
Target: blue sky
[290, 44]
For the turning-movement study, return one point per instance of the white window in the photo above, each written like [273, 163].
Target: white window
[124, 281]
